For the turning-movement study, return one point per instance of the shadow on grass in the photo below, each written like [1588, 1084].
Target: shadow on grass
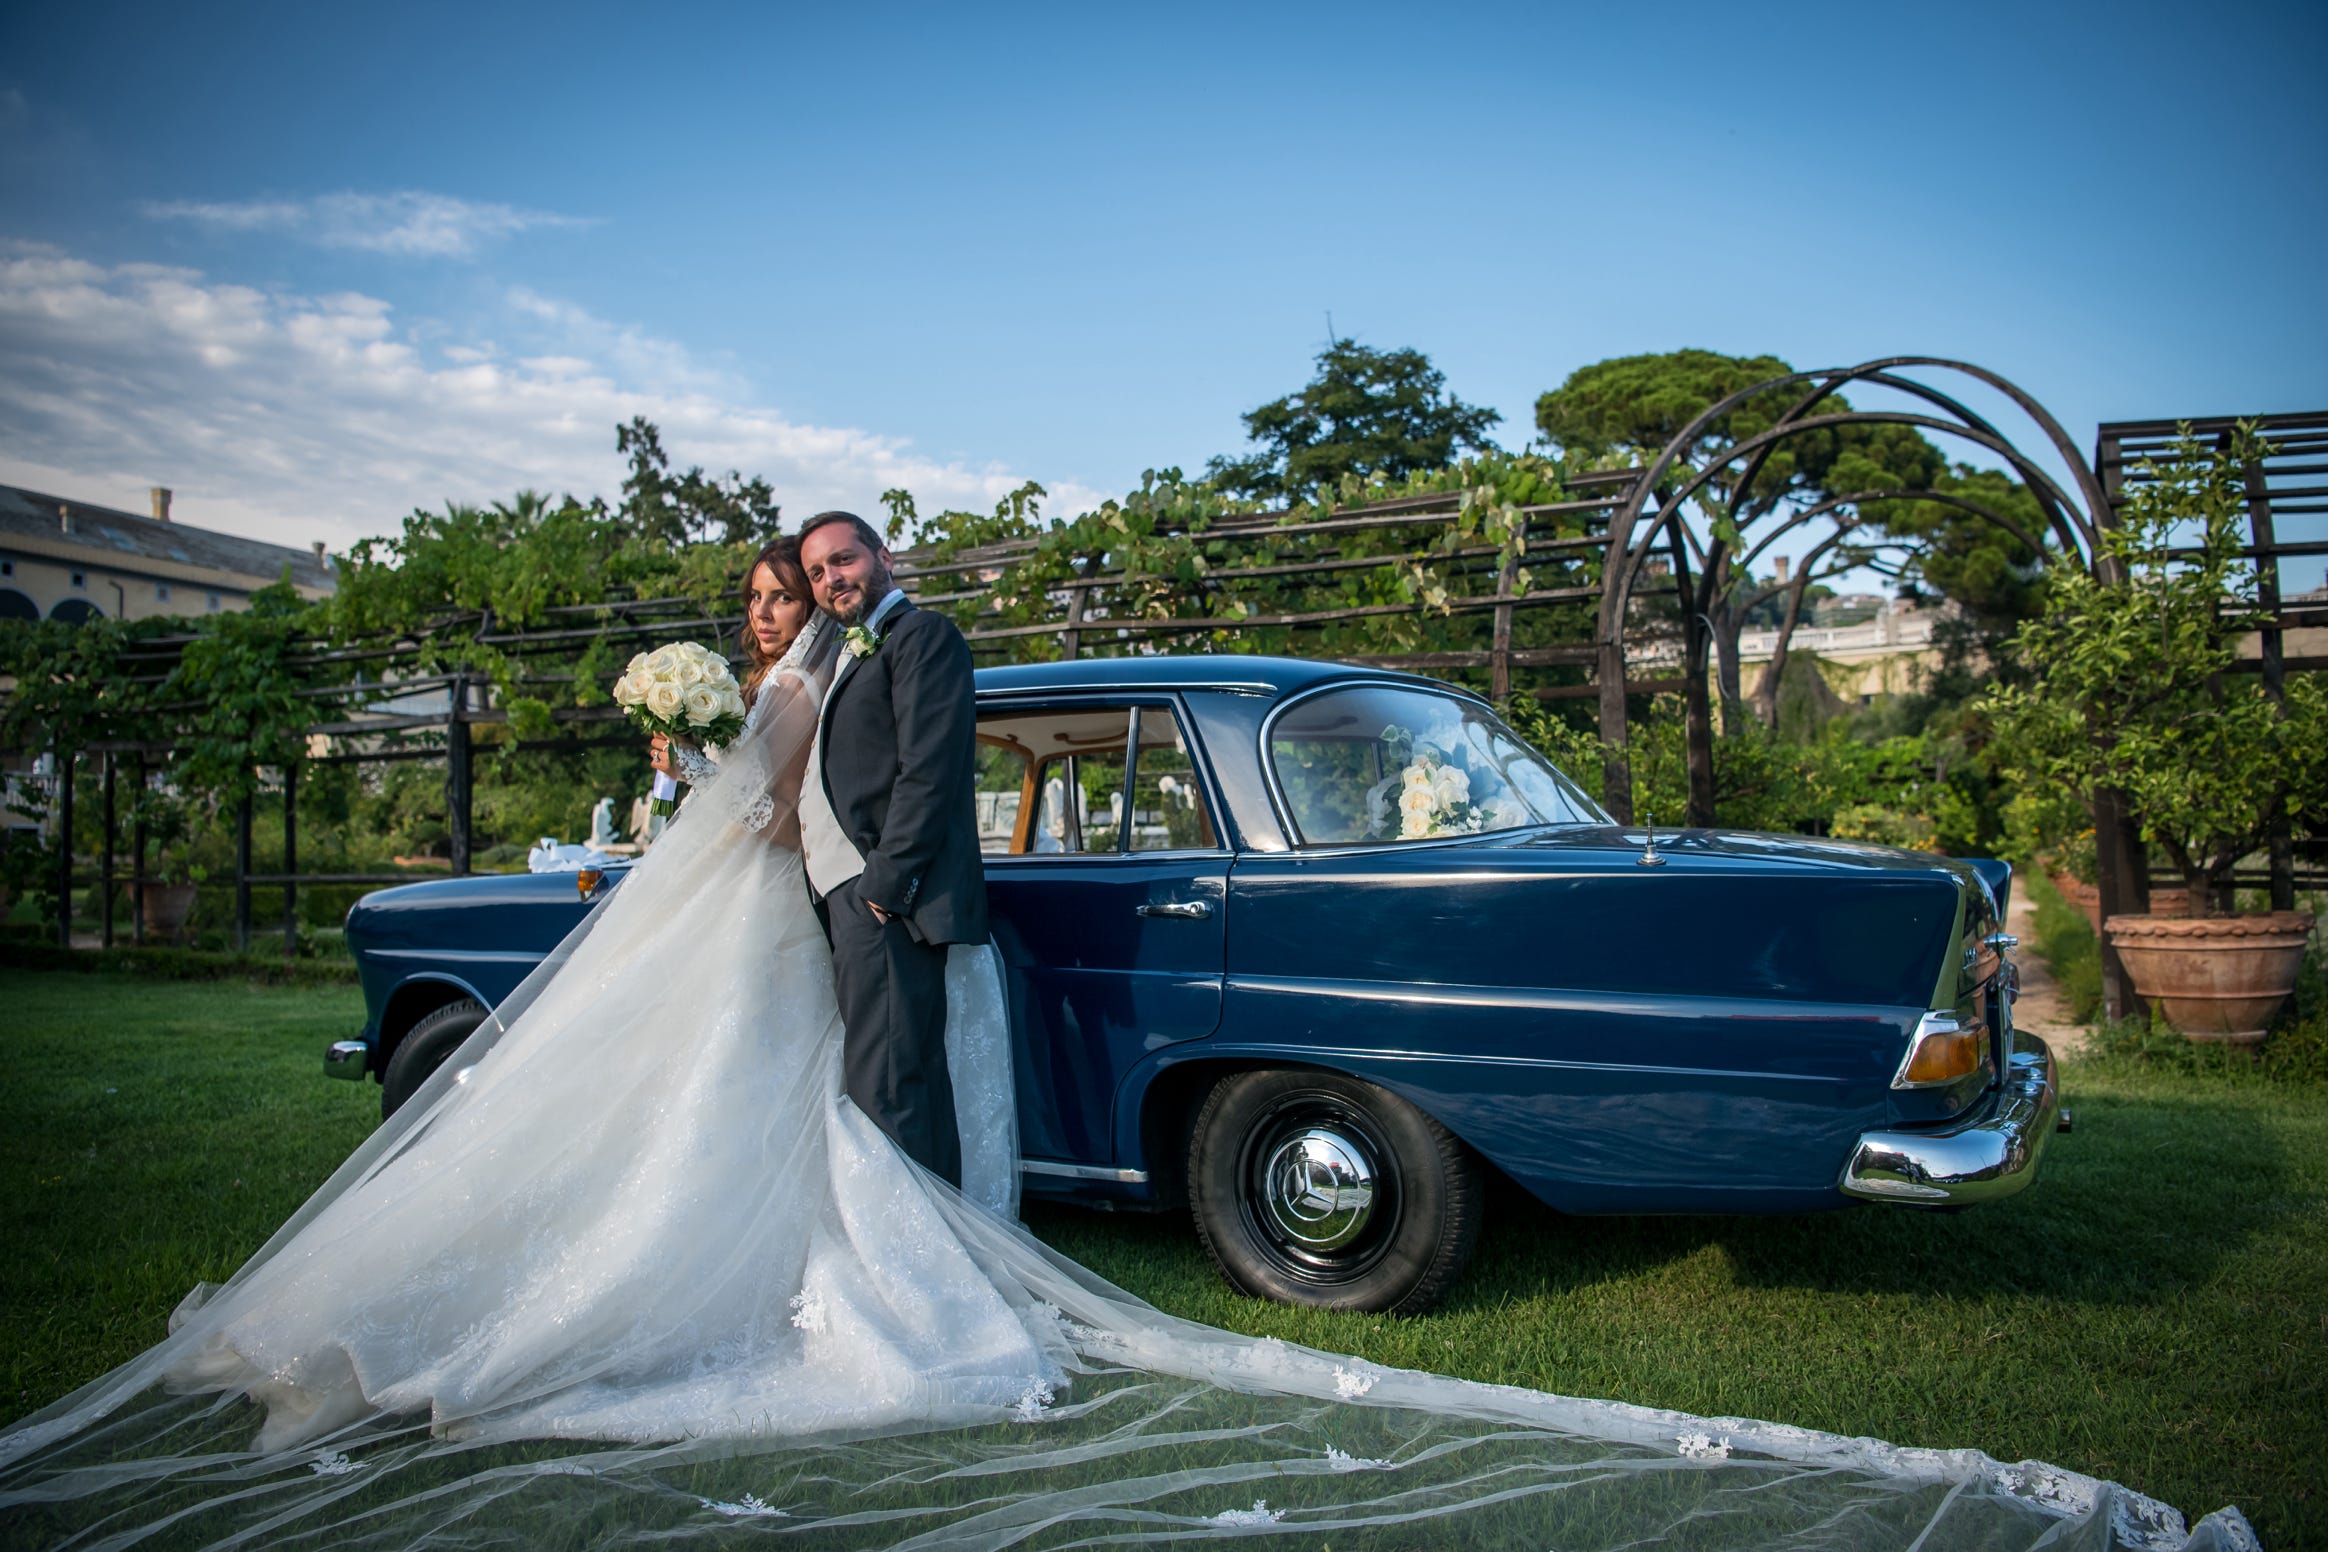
[2144, 1200]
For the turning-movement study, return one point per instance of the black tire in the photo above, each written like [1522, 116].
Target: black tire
[1398, 1247]
[424, 1049]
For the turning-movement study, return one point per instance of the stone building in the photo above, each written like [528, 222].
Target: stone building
[62, 559]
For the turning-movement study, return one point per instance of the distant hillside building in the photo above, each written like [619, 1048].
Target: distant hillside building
[62, 559]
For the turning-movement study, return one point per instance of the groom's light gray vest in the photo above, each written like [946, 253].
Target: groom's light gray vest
[832, 858]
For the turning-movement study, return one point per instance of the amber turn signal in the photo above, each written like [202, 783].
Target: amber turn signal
[587, 880]
[1942, 1056]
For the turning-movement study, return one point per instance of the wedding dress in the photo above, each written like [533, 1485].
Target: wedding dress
[631, 1268]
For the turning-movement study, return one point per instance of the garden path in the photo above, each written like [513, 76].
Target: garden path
[2041, 1008]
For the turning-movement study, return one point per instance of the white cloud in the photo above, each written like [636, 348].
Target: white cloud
[294, 418]
[410, 224]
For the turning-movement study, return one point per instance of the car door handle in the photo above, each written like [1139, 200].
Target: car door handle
[1186, 910]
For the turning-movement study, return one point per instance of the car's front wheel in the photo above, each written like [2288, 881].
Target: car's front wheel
[424, 1049]
[1321, 1189]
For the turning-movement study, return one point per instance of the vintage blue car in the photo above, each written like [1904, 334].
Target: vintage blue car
[1312, 949]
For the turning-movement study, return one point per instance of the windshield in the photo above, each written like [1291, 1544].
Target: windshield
[1389, 763]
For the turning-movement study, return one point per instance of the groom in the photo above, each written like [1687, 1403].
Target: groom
[889, 831]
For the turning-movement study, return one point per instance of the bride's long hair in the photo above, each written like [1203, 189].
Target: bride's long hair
[781, 556]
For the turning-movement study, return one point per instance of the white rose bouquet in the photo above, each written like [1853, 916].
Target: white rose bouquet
[1433, 798]
[683, 690]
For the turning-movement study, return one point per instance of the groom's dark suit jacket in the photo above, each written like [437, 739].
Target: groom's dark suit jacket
[900, 751]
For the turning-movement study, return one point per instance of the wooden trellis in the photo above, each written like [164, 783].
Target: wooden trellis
[1097, 609]
[1564, 539]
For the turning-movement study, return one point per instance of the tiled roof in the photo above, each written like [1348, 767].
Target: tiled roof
[35, 515]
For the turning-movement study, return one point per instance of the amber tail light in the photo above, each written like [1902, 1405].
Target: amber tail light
[1941, 1052]
[587, 880]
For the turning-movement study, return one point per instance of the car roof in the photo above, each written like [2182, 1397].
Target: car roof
[1182, 671]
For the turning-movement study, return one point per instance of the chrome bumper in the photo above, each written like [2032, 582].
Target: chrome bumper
[346, 1059]
[1975, 1161]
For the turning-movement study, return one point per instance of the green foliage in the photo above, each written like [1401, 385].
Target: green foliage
[1368, 414]
[2066, 942]
[241, 687]
[680, 510]
[1913, 791]
[1630, 407]
[1965, 557]
[1164, 561]
[2133, 688]
[68, 687]
[158, 963]
[2048, 823]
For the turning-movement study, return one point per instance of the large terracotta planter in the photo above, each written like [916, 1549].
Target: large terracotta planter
[166, 908]
[2214, 977]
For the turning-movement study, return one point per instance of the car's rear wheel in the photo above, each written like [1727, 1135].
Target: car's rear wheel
[424, 1049]
[1321, 1189]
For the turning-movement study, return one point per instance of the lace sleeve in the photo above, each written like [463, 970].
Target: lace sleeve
[695, 766]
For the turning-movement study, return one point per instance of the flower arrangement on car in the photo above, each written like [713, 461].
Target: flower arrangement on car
[682, 690]
[1433, 796]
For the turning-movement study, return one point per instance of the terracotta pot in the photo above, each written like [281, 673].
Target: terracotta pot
[2214, 977]
[166, 908]
[2086, 897]
[2171, 901]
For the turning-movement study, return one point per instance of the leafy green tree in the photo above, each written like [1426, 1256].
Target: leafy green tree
[691, 508]
[1369, 414]
[2132, 684]
[1629, 408]
[1994, 579]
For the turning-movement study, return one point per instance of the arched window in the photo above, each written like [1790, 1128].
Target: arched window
[76, 611]
[15, 606]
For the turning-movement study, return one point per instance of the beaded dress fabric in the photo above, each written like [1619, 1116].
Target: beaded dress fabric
[631, 1270]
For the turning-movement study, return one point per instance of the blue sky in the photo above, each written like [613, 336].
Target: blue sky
[311, 265]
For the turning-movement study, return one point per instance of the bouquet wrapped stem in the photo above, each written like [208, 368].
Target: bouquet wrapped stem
[683, 690]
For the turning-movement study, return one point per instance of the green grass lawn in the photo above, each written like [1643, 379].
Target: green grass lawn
[2154, 1310]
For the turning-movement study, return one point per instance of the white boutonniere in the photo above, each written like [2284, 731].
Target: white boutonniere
[861, 640]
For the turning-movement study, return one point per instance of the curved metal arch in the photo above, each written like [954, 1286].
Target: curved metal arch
[1869, 497]
[1614, 600]
[2076, 533]
[1832, 379]
[2076, 524]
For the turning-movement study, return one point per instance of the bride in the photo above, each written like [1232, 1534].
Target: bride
[631, 1267]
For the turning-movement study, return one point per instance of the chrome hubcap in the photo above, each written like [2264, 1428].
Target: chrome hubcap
[1319, 1188]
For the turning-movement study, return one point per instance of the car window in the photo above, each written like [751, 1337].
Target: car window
[1391, 763]
[1065, 781]
[1168, 807]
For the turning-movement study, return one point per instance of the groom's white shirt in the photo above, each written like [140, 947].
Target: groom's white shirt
[832, 858]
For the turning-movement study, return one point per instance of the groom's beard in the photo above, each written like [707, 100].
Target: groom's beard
[876, 588]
